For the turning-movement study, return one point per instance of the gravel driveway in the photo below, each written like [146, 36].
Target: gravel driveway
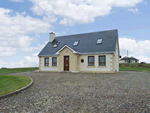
[72, 92]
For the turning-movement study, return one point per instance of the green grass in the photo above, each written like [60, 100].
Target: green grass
[14, 70]
[10, 83]
[133, 69]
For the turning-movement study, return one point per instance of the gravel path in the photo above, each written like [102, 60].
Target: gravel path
[83, 93]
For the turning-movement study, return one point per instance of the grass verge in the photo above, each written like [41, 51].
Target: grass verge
[133, 69]
[15, 70]
[10, 83]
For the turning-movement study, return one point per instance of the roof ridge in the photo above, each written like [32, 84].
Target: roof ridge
[87, 33]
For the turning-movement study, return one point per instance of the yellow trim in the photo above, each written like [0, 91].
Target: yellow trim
[112, 66]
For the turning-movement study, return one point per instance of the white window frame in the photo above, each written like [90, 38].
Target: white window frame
[76, 43]
[99, 41]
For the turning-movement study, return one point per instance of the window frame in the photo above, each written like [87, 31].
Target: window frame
[45, 61]
[102, 62]
[56, 45]
[101, 41]
[91, 62]
[53, 62]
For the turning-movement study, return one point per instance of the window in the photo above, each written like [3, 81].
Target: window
[54, 61]
[46, 62]
[76, 43]
[102, 60]
[82, 60]
[90, 60]
[125, 60]
[55, 45]
[99, 41]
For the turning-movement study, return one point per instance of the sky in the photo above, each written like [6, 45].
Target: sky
[25, 26]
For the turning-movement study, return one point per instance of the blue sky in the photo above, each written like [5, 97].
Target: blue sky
[25, 26]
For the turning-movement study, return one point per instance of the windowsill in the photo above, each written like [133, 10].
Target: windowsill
[101, 66]
[90, 66]
[46, 66]
[54, 66]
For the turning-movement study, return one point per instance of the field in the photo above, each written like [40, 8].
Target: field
[15, 70]
[134, 67]
[10, 83]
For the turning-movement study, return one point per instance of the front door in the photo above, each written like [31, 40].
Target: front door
[66, 63]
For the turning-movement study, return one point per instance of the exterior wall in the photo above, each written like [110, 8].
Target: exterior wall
[109, 68]
[117, 58]
[122, 61]
[47, 68]
[75, 64]
[73, 60]
[132, 61]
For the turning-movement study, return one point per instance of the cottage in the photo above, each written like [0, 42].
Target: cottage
[128, 60]
[96, 52]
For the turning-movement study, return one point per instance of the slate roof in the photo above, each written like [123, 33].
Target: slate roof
[87, 43]
[129, 58]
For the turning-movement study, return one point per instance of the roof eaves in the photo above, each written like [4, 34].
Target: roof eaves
[96, 52]
[64, 47]
[47, 55]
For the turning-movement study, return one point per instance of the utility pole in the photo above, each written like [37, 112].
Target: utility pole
[127, 53]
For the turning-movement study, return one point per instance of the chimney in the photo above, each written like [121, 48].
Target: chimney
[51, 36]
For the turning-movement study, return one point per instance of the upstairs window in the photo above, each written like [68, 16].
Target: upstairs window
[46, 61]
[55, 45]
[99, 41]
[76, 43]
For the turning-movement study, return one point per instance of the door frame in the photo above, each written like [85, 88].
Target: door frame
[64, 62]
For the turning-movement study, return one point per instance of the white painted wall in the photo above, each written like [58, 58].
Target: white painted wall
[48, 68]
[84, 66]
[123, 61]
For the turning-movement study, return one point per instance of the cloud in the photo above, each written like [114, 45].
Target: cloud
[16, 0]
[78, 11]
[135, 48]
[145, 2]
[27, 61]
[16, 29]
[135, 10]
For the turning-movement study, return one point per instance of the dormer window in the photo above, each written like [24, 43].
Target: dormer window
[55, 45]
[76, 43]
[99, 41]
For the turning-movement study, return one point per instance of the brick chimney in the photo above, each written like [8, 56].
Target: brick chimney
[51, 36]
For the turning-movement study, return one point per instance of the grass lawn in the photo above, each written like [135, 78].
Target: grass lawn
[133, 69]
[14, 70]
[10, 83]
